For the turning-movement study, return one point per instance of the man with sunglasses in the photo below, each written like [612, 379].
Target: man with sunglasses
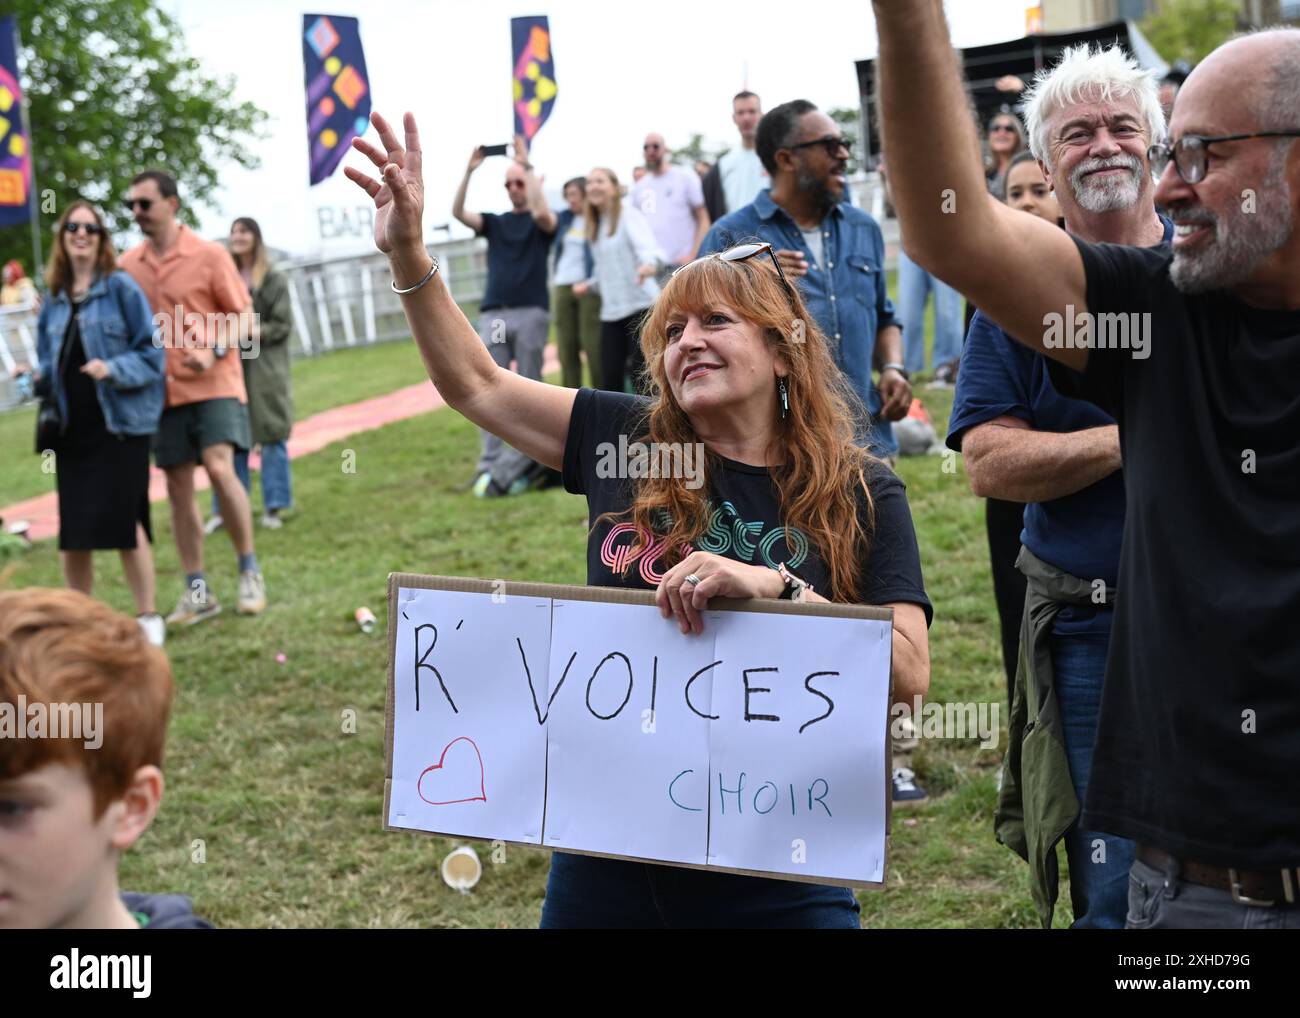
[1198, 739]
[834, 250]
[195, 289]
[515, 314]
[672, 199]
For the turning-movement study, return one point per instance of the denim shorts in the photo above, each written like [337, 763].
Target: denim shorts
[585, 892]
[186, 430]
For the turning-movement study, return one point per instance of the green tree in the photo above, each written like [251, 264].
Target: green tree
[695, 150]
[1190, 29]
[848, 120]
[111, 91]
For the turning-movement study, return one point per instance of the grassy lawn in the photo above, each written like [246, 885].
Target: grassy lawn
[288, 808]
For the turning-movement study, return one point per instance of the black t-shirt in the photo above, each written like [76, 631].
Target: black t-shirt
[517, 251]
[85, 425]
[1198, 743]
[745, 525]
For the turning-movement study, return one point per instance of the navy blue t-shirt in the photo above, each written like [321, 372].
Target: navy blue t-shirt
[1079, 533]
[517, 252]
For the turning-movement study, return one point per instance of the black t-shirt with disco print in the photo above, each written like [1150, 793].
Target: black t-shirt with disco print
[602, 445]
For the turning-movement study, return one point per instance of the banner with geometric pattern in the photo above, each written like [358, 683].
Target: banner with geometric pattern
[534, 73]
[338, 90]
[15, 147]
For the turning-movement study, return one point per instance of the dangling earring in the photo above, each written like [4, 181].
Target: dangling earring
[783, 391]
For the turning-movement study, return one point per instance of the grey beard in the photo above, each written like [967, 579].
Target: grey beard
[1241, 239]
[1108, 195]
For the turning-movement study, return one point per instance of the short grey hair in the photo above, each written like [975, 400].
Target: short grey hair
[1082, 73]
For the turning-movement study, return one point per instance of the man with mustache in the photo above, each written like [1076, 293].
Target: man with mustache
[1198, 741]
[836, 251]
[1091, 119]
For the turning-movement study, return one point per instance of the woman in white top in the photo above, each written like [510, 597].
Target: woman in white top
[625, 254]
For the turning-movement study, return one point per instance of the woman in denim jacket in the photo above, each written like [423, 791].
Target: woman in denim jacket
[99, 362]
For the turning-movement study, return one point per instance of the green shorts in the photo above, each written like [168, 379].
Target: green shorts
[186, 430]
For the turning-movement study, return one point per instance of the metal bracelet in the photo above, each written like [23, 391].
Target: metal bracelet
[428, 276]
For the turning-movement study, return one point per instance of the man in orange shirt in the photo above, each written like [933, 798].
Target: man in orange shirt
[197, 297]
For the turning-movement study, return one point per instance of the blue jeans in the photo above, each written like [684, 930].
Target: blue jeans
[1099, 863]
[1162, 900]
[584, 892]
[277, 486]
[914, 287]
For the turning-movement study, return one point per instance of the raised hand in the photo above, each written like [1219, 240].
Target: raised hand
[399, 198]
[521, 150]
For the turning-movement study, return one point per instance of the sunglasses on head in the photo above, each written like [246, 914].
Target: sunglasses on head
[744, 252]
[145, 204]
[92, 229]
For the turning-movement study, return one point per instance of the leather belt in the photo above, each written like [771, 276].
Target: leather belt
[1247, 887]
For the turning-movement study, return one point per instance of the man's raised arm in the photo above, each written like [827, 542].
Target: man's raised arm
[1015, 267]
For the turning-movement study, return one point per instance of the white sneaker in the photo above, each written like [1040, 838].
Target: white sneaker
[214, 524]
[271, 522]
[252, 593]
[154, 628]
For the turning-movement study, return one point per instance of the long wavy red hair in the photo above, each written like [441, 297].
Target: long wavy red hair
[821, 476]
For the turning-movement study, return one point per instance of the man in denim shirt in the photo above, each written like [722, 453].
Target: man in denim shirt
[835, 249]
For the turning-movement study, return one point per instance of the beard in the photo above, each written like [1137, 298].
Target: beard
[817, 190]
[1241, 239]
[1109, 193]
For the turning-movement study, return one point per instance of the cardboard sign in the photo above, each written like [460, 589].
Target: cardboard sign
[576, 718]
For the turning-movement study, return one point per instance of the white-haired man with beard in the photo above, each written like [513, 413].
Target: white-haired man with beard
[1198, 741]
[1090, 120]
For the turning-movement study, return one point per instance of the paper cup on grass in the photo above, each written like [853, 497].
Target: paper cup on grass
[461, 869]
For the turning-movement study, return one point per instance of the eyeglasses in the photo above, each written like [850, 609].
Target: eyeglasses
[831, 144]
[1009, 128]
[744, 252]
[145, 204]
[1190, 153]
[92, 229]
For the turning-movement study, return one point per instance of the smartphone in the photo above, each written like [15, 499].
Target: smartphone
[494, 150]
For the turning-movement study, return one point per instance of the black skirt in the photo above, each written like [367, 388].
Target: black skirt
[103, 479]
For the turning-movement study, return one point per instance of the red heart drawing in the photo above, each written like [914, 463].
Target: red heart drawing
[482, 793]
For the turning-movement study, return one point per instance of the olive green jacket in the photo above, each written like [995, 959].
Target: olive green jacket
[1037, 803]
[266, 376]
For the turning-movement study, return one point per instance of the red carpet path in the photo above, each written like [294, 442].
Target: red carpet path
[309, 435]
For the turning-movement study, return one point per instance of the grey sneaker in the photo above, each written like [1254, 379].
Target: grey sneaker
[252, 593]
[194, 606]
[214, 524]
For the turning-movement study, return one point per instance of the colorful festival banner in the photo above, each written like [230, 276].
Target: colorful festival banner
[338, 90]
[15, 147]
[534, 70]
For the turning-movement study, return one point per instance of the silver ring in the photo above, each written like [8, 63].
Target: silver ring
[693, 580]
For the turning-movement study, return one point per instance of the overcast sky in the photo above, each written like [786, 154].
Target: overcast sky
[622, 70]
